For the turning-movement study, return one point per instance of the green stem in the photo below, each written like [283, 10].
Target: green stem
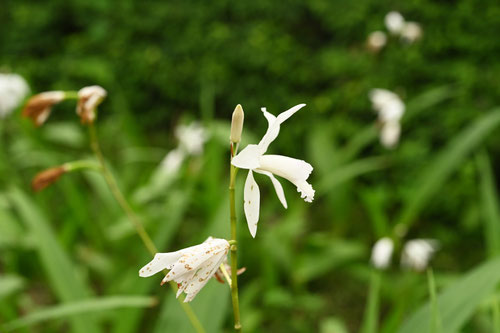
[234, 248]
[148, 242]
[436, 326]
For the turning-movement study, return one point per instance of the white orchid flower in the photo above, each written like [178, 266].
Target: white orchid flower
[191, 138]
[394, 22]
[253, 158]
[390, 109]
[382, 253]
[411, 32]
[376, 40]
[418, 252]
[191, 267]
[13, 89]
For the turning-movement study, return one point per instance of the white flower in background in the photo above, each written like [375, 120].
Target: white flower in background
[377, 40]
[390, 110]
[173, 161]
[191, 138]
[411, 32]
[417, 253]
[382, 253]
[88, 100]
[253, 158]
[191, 267]
[13, 90]
[394, 22]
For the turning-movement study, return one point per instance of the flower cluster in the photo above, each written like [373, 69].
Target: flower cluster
[416, 253]
[395, 23]
[390, 110]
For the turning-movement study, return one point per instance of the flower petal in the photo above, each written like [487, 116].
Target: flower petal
[160, 262]
[274, 125]
[277, 186]
[248, 158]
[252, 203]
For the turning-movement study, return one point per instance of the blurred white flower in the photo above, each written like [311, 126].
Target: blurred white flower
[417, 253]
[88, 100]
[390, 109]
[411, 32]
[172, 162]
[382, 253]
[253, 158]
[191, 267]
[376, 40]
[191, 138]
[394, 22]
[13, 90]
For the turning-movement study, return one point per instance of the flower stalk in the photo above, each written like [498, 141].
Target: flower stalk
[145, 238]
[234, 247]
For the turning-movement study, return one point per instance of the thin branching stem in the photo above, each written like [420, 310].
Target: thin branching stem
[135, 220]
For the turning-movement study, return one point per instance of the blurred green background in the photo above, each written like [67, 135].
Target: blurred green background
[172, 62]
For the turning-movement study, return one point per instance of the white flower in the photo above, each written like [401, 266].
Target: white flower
[394, 22]
[253, 158]
[88, 100]
[417, 253]
[191, 138]
[13, 89]
[191, 267]
[172, 162]
[382, 253]
[377, 40]
[390, 110]
[411, 32]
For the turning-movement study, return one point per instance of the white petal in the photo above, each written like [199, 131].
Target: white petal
[252, 203]
[248, 158]
[274, 125]
[277, 186]
[382, 253]
[389, 134]
[160, 262]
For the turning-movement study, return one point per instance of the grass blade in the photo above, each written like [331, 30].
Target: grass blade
[80, 307]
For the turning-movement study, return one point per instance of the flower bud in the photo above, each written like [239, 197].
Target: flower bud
[38, 107]
[47, 177]
[88, 100]
[237, 124]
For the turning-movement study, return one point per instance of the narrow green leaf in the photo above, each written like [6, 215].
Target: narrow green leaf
[80, 307]
[489, 205]
[438, 170]
[67, 285]
[458, 301]
[370, 320]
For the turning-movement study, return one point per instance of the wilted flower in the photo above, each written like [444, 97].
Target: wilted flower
[411, 32]
[382, 253]
[219, 275]
[253, 158]
[394, 22]
[376, 40]
[390, 110]
[38, 107]
[417, 253]
[47, 177]
[191, 267]
[191, 138]
[13, 89]
[88, 100]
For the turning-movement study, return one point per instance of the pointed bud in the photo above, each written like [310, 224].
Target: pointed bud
[237, 124]
[38, 107]
[47, 177]
[88, 100]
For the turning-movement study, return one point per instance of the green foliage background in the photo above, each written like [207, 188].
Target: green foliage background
[166, 63]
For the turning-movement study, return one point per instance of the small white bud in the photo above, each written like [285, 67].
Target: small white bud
[382, 253]
[237, 124]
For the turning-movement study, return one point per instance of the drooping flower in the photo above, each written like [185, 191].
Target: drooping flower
[253, 158]
[417, 253]
[13, 89]
[382, 253]
[394, 22]
[88, 100]
[191, 267]
[47, 177]
[390, 110]
[376, 40]
[39, 107]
